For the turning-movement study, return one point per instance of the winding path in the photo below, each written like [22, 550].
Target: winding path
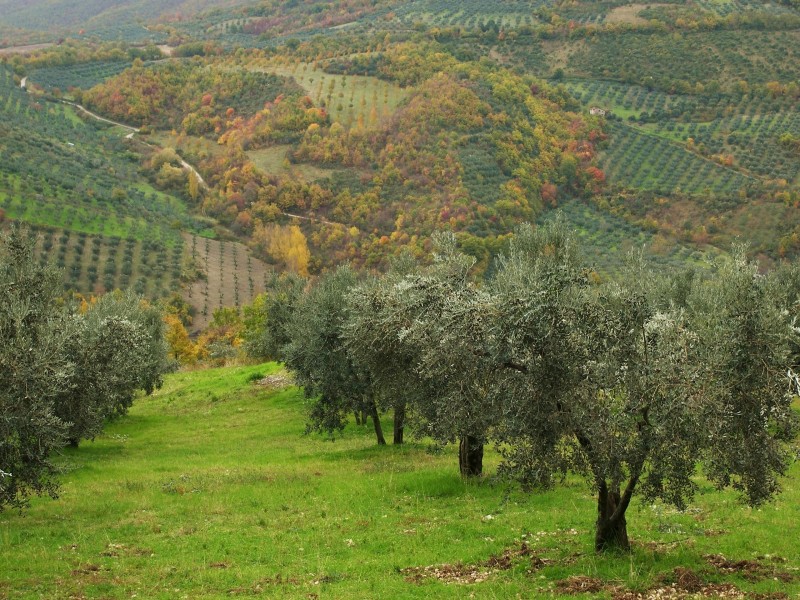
[133, 131]
[191, 170]
[313, 219]
[103, 119]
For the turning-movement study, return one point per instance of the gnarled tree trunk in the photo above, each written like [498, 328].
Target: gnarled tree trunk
[611, 532]
[470, 456]
[399, 422]
[376, 421]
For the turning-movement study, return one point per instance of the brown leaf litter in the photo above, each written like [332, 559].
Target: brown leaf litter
[276, 381]
[682, 584]
[475, 573]
[751, 570]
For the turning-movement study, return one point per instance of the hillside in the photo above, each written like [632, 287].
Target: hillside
[209, 489]
[112, 19]
[350, 132]
[98, 218]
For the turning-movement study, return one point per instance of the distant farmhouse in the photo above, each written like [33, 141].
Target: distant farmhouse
[600, 112]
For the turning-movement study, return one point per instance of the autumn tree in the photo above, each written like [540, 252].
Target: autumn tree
[284, 245]
[181, 348]
[222, 338]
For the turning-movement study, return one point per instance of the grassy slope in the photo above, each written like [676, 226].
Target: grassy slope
[347, 97]
[210, 490]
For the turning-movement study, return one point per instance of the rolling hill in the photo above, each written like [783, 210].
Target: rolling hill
[355, 130]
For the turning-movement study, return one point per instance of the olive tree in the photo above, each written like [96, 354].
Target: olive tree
[267, 320]
[319, 359]
[408, 329]
[633, 388]
[33, 370]
[372, 341]
[117, 348]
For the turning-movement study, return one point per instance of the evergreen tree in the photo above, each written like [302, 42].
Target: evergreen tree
[33, 371]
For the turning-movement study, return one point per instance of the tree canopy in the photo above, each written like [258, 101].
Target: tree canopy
[63, 374]
[637, 383]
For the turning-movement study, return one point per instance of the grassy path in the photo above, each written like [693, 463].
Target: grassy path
[209, 489]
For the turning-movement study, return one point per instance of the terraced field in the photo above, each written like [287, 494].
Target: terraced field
[82, 75]
[606, 241]
[640, 160]
[99, 220]
[352, 100]
[725, 57]
[94, 264]
[231, 276]
[470, 14]
[632, 100]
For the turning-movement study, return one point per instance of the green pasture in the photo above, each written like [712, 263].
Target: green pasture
[210, 489]
[274, 161]
[351, 100]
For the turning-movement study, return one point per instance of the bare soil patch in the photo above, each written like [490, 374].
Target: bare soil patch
[276, 381]
[629, 13]
[24, 49]
[231, 277]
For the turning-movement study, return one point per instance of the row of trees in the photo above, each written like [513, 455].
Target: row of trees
[630, 383]
[64, 370]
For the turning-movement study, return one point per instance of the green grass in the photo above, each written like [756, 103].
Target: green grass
[273, 161]
[350, 99]
[209, 489]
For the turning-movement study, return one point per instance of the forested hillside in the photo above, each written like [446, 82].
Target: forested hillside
[351, 131]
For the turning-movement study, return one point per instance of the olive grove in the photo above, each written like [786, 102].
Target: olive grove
[638, 384]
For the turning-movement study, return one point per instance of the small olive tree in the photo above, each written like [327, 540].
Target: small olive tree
[319, 359]
[267, 320]
[410, 330]
[117, 348]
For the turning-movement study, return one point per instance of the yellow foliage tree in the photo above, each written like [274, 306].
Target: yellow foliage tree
[285, 245]
[181, 347]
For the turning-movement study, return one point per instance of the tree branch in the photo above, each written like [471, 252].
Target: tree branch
[625, 500]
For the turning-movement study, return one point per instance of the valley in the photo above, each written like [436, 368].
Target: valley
[438, 292]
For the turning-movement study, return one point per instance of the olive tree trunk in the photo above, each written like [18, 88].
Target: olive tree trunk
[376, 422]
[399, 422]
[611, 531]
[470, 456]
